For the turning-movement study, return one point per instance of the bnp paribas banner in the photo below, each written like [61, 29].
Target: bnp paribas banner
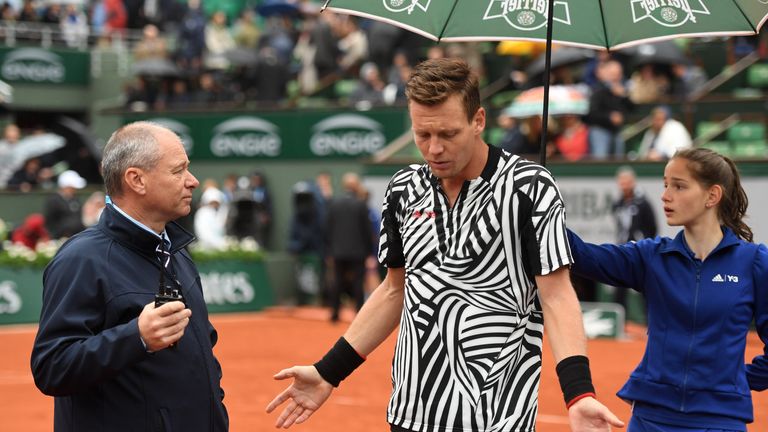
[44, 66]
[284, 135]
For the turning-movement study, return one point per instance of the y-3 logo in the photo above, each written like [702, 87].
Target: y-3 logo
[725, 278]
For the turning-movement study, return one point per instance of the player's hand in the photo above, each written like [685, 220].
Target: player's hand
[163, 326]
[307, 393]
[588, 415]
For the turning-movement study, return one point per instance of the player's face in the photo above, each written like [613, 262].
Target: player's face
[684, 198]
[446, 140]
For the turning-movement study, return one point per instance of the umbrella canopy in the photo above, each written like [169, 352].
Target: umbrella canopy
[155, 67]
[13, 155]
[598, 24]
[562, 100]
[278, 7]
[665, 52]
[561, 57]
[242, 56]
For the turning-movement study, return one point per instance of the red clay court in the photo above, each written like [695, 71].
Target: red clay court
[253, 346]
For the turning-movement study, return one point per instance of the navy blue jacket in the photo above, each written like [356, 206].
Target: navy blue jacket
[699, 314]
[88, 353]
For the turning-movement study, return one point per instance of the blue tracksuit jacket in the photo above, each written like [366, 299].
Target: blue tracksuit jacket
[699, 313]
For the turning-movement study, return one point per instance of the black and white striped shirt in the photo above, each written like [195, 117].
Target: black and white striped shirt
[468, 355]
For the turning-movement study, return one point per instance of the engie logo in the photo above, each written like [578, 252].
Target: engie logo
[33, 64]
[527, 15]
[179, 129]
[246, 136]
[406, 5]
[346, 134]
[10, 300]
[669, 13]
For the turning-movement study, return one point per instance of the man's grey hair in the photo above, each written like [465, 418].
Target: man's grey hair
[134, 145]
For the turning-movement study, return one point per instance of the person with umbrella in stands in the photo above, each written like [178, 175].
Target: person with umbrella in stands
[477, 269]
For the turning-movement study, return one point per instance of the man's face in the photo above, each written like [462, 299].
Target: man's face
[169, 184]
[446, 140]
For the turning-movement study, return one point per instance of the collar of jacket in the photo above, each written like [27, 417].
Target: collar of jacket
[678, 243]
[129, 234]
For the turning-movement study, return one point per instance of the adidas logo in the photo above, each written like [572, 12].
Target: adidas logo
[730, 278]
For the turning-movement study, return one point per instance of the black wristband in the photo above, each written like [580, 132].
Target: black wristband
[339, 362]
[575, 378]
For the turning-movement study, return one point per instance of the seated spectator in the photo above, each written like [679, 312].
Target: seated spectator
[63, 217]
[30, 176]
[647, 85]
[246, 33]
[191, 38]
[665, 136]
[370, 87]
[210, 220]
[31, 232]
[525, 138]
[573, 141]
[218, 40]
[688, 79]
[353, 45]
[74, 26]
[151, 45]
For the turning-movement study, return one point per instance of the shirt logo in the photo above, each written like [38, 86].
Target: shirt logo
[668, 13]
[527, 15]
[725, 278]
[427, 214]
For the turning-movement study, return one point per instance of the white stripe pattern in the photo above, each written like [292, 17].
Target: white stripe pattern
[468, 355]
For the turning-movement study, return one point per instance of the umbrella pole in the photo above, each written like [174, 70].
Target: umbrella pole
[547, 64]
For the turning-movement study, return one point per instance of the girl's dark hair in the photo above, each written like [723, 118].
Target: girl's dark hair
[710, 168]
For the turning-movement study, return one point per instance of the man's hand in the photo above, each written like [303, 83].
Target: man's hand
[307, 393]
[163, 326]
[588, 415]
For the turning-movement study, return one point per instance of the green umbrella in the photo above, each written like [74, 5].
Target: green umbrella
[600, 24]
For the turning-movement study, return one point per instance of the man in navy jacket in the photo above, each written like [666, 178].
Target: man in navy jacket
[113, 359]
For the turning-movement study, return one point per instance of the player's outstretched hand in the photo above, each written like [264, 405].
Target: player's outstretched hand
[305, 395]
[589, 415]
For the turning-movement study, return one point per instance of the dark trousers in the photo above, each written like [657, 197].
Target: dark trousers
[350, 275]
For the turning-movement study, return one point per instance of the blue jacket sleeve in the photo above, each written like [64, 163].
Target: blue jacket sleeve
[617, 265]
[757, 371]
[71, 351]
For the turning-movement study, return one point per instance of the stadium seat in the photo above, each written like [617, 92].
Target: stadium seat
[344, 88]
[706, 128]
[746, 131]
[503, 99]
[751, 149]
[722, 147]
[493, 135]
[757, 75]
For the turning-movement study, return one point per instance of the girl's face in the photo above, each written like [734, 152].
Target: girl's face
[686, 201]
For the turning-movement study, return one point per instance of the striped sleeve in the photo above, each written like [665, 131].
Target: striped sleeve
[548, 220]
[390, 241]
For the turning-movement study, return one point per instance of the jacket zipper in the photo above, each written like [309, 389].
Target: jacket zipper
[693, 332]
